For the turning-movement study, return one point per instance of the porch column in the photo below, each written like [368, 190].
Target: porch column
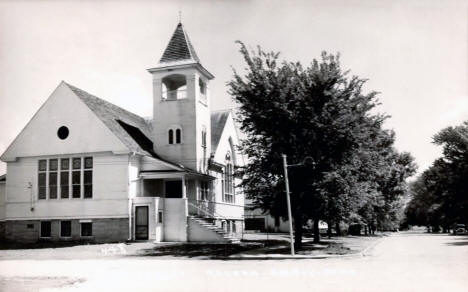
[184, 188]
[140, 188]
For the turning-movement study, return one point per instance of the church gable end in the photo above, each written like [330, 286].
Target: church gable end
[63, 125]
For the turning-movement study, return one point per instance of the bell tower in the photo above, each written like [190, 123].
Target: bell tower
[181, 105]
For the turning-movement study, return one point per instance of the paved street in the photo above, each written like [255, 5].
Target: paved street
[401, 262]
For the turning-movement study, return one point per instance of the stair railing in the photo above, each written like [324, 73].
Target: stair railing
[214, 215]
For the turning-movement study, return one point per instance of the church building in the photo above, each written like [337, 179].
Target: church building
[84, 169]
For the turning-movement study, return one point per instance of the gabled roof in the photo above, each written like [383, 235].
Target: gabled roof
[179, 48]
[115, 118]
[130, 128]
[218, 121]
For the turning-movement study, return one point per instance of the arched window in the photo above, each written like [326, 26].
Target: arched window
[228, 181]
[178, 136]
[174, 87]
[203, 137]
[171, 136]
[202, 86]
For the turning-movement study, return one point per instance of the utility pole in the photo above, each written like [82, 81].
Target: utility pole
[286, 181]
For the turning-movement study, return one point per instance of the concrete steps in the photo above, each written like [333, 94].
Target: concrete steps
[206, 224]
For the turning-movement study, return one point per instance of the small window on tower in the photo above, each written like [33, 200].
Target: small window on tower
[171, 136]
[203, 137]
[178, 136]
[202, 87]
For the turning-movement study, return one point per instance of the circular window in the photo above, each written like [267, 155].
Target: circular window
[63, 132]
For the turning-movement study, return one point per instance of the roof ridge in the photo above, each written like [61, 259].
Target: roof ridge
[74, 88]
[190, 46]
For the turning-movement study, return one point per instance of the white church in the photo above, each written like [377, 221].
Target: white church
[84, 169]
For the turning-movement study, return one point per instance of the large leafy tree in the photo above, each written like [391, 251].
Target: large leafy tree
[372, 183]
[440, 195]
[318, 112]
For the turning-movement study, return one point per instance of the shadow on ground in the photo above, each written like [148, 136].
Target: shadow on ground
[207, 251]
[223, 251]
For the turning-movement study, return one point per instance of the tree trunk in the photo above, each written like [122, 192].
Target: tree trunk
[316, 231]
[298, 232]
[329, 229]
[337, 228]
[366, 227]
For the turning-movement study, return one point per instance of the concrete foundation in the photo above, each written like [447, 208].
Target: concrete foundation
[103, 230]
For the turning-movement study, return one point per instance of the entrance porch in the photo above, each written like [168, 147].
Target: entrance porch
[177, 206]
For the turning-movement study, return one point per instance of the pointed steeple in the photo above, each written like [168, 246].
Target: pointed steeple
[179, 48]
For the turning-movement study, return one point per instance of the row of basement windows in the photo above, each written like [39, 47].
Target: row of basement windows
[55, 175]
[65, 229]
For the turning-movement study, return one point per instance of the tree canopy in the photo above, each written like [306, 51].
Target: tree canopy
[320, 113]
[440, 193]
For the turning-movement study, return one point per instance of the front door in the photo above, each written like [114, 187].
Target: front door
[141, 223]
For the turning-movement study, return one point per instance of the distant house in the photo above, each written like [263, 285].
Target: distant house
[85, 169]
[257, 220]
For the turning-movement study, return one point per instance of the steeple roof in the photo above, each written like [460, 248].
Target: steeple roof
[179, 48]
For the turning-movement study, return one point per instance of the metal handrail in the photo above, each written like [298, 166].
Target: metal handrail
[206, 212]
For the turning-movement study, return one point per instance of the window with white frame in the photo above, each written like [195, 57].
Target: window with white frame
[76, 177]
[228, 181]
[65, 178]
[42, 180]
[53, 178]
[55, 175]
[88, 178]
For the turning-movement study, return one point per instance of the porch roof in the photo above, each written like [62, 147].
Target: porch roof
[155, 174]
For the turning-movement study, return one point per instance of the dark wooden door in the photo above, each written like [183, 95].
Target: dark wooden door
[141, 223]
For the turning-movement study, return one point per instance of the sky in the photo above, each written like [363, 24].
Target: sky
[413, 52]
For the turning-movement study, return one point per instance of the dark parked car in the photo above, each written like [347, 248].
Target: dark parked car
[459, 229]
